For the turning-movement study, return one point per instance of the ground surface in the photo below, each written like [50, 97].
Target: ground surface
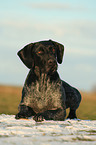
[28, 132]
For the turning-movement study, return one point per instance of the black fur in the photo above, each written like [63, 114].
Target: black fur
[45, 95]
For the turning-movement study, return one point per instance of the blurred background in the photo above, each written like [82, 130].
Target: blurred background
[71, 22]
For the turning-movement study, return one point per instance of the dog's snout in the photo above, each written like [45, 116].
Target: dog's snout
[51, 66]
[51, 62]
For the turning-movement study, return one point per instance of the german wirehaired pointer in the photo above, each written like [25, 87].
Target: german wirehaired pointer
[45, 95]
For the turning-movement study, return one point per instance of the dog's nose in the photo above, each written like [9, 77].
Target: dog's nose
[51, 62]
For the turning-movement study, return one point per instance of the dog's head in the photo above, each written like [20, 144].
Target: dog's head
[42, 56]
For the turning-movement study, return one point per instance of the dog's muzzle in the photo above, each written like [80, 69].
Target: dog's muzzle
[51, 66]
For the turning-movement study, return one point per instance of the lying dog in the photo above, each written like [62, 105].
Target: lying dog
[45, 95]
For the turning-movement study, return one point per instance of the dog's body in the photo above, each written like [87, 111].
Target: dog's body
[45, 95]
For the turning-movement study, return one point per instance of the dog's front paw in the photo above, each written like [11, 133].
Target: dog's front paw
[38, 118]
[19, 115]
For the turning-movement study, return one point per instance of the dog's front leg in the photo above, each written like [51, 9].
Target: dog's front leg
[58, 114]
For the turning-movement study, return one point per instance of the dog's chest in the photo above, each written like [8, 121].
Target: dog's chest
[43, 95]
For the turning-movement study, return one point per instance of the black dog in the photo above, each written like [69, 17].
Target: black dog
[45, 95]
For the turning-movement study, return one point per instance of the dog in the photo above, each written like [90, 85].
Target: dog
[45, 95]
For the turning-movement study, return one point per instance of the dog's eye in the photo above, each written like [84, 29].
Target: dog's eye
[53, 50]
[40, 52]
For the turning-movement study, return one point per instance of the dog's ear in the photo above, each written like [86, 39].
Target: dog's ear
[25, 55]
[60, 51]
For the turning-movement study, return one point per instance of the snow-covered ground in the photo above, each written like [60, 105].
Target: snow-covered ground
[28, 132]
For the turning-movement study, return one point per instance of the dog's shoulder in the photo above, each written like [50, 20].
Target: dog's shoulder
[68, 88]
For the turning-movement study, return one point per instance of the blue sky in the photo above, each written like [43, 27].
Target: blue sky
[71, 22]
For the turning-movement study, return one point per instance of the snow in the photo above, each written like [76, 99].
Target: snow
[28, 132]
